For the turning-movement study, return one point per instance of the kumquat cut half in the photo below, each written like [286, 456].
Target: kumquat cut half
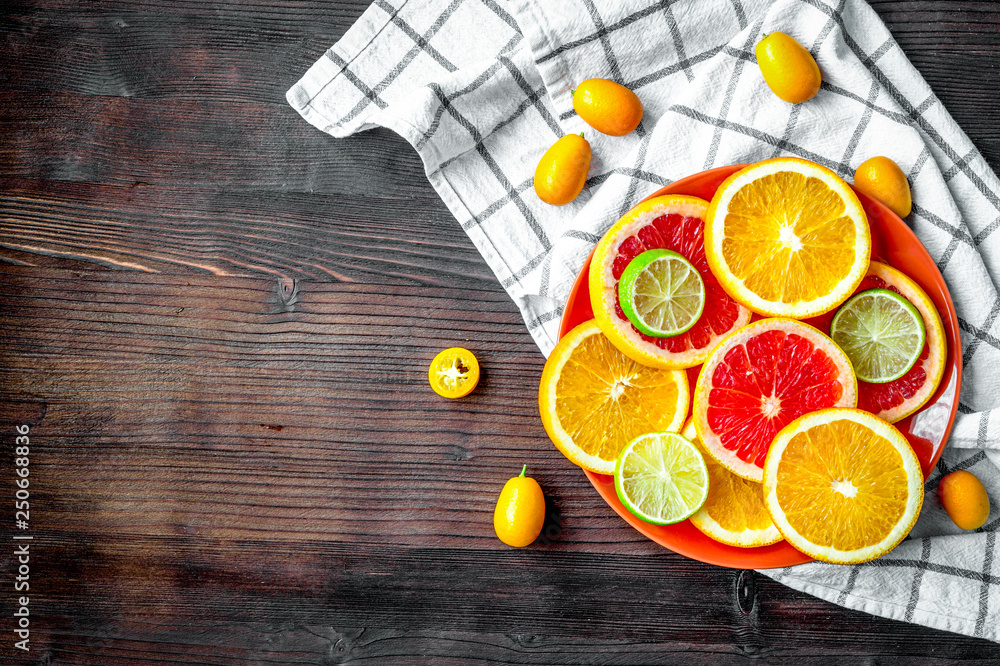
[454, 372]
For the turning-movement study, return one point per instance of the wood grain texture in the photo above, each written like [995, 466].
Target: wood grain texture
[215, 600]
[339, 237]
[217, 321]
[421, 604]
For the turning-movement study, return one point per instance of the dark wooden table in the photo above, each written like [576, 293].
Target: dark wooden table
[216, 321]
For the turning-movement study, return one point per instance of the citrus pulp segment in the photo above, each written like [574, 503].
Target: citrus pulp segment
[842, 485]
[787, 237]
[661, 478]
[594, 400]
[758, 380]
[734, 512]
[661, 293]
[673, 222]
[881, 332]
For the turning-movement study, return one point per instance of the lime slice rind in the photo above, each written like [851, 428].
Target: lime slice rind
[661, 293]
[882, 334]
[661, 478]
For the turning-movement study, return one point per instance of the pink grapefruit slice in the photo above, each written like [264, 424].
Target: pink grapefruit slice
[894, 401]
[758, 380]
[672, 222]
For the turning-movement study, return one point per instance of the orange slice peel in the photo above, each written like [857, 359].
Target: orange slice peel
[594, 400]
[842, 485]
[787, 238]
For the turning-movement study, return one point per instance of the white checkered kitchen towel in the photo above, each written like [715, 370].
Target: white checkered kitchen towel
[481, 88]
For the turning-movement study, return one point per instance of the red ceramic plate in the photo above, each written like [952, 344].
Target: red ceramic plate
[927, 430]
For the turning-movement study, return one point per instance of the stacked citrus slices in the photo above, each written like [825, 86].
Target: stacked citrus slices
[675, 223]
[805, 352]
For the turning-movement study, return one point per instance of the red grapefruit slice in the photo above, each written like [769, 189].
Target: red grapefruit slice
[895, 400]
[760, 379]
[673, 222]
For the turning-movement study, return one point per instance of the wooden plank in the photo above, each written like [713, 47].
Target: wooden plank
[218, 600]
[208, 453]
[954, 46]
[154, 117]
[63, 136]
[341, 236]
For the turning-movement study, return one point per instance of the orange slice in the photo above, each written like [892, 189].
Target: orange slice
[787, 237]
[758, 380]
[672, 222]
[594, 400]
[842, 485]
[734, 513]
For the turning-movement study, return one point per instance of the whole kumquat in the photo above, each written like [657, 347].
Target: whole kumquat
[788, 68]
[882, 179]
[607, 106]
[964, 498]
[520, 511]
[562, 171]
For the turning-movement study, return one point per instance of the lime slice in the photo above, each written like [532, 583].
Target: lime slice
[881, 332]
[661, 478]
[661, 293]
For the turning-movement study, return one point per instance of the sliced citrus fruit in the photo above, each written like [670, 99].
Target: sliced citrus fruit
[758, 380]
[787, 237]
[594, 400]
[454, 372]
[895, 400]
[661, 293]
[842, 485]
[734, 512]
[673, 222]
[882, 334]
[661, 478]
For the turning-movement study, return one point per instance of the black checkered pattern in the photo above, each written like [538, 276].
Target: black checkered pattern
[481, 90]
